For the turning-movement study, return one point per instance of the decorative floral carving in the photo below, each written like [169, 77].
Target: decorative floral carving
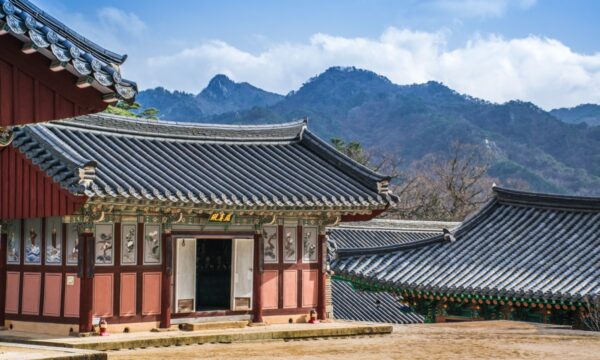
[270, 244]
[309, 244]
[289, 245]
[104, 244]
[152, 250]
[129, 244]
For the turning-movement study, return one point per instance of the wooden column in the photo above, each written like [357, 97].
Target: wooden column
[85, 272]
[167, 271]
[257, 281]
[506, 312]
[3, 247]
[322, 283]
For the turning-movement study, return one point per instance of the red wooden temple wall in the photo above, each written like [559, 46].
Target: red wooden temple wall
[26, 192]
[30, 92]
[291, 287]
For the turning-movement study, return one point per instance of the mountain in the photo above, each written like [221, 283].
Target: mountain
[527, 143]
[585, 113]
[222, 95]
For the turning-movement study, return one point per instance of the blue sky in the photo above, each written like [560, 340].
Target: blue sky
[547, 52]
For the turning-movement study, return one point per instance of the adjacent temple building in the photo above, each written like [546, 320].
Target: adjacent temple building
[523, 256]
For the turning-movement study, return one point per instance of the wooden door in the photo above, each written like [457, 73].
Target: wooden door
[242, 274]
[185, 276]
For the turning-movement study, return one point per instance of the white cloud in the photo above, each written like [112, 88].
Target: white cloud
[109, 27]
[116, 19]
[540, 70]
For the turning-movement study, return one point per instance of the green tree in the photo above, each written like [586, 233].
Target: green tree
[149, 113]
[123, 108]
[353, 150]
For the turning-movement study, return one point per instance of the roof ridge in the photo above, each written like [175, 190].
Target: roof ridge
[518, 197]
[189, 124]
[378, 228]
[390, 248]
[124, 125]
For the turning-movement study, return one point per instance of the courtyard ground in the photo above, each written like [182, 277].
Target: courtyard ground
[475, 340]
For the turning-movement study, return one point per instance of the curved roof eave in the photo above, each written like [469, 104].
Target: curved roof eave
[93, 65]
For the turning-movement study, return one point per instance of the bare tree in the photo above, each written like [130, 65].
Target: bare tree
[591, 315]
[445, 186]
[442, 186]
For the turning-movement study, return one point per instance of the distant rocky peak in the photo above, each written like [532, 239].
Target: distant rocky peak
[220, 86]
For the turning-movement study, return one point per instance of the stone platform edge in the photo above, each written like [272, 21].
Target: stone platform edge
[67, 353]
[198, 338]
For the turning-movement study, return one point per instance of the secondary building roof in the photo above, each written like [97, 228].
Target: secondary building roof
[520, 245]
[356, 305]
[112, 158]
[93, 64]
[379, 306]
[382, 232]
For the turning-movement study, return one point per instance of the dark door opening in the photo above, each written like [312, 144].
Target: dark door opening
[213, 274]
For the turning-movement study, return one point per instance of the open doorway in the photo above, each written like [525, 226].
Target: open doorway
[213, 275]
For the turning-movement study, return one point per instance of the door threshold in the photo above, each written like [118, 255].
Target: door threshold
[206, 319]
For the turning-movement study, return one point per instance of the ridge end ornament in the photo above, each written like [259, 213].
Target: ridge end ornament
[6, 137]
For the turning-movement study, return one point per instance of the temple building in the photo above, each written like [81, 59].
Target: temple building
[146, 224]
[149, 223]
[523, 256]
[356, 304]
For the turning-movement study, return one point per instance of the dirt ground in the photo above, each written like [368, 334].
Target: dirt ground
[16, 352]
[476, 340]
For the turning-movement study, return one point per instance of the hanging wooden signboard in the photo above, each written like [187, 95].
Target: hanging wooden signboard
[220, 217]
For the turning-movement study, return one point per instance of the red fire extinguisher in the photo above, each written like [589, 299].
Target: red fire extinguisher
[103, 328]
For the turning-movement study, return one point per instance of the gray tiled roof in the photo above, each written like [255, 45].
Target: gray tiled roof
[283, 166]
[356, 305]
[383, 232]
[351, 304]
[55, 40]
[519, 245]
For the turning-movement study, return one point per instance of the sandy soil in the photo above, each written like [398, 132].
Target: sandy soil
[478, 340]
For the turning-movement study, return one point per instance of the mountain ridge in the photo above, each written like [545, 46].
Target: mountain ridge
[221, 95]
[584, 113]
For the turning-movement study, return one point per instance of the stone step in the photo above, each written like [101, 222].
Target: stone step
[217, 325]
